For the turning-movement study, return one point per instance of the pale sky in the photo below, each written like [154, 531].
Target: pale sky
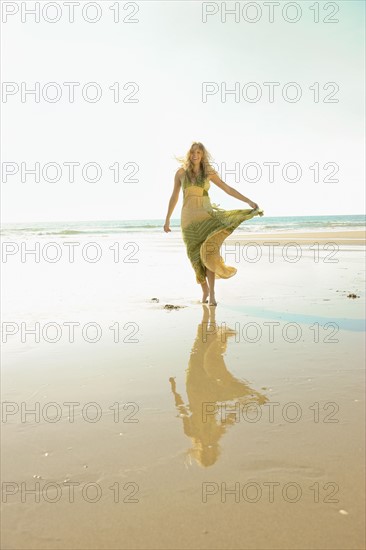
[169, 53]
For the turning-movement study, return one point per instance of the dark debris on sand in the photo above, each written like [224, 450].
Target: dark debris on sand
[167, 306]
[170, 306]
[350, 295]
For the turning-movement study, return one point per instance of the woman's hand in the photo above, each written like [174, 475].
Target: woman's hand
[253, 204]
[167, 228]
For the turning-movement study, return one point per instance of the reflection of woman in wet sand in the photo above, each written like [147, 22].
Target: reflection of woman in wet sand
[210, 386]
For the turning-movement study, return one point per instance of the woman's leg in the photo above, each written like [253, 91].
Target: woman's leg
[205, 290]
[211, 284]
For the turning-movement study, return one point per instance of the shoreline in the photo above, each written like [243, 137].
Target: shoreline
[352, 237]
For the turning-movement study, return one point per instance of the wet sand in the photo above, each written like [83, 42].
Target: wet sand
[235, 427]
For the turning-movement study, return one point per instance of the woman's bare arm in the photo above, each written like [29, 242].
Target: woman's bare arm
[174, 198]
[213, 176]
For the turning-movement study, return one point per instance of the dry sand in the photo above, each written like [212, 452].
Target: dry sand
[339, 237]
[175, 433]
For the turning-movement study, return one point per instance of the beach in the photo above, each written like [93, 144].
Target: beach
[338, 237]
[183, 427]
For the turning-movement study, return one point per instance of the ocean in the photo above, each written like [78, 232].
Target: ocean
[278, 224]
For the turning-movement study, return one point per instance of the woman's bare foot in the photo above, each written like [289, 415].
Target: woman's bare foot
[212, 301]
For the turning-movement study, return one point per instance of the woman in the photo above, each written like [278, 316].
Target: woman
[204, 226]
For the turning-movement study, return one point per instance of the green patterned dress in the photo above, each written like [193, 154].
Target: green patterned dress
[204, 228]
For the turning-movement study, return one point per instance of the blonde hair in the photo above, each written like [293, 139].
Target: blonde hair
[205, 166]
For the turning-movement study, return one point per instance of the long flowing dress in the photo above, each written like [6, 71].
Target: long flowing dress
[205, 226]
